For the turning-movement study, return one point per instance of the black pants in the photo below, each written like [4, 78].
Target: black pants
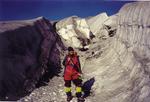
[78, 84]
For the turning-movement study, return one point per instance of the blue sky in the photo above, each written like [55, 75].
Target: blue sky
[56, 9]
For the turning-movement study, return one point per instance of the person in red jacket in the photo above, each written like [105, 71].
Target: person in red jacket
[72, 73]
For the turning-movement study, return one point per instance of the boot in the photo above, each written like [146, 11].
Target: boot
[69, 98]
[80, 99]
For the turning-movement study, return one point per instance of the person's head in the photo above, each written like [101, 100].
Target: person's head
[70, 50]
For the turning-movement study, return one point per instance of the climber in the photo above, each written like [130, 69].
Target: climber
[72, 73]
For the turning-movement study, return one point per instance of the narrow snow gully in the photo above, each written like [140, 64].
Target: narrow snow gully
[114, 53]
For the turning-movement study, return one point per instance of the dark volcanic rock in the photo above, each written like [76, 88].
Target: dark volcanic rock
[27, 50]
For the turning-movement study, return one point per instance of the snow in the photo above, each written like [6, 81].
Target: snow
[96, 23]
[119, 64]
[72, 29]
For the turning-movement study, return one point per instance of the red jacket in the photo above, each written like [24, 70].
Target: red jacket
[72, 67]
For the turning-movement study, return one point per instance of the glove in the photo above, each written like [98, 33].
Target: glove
[81, 76]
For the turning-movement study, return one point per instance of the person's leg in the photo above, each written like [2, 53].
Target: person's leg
[78, 84]
[68, 89]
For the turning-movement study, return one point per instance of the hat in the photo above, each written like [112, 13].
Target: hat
[70, 48]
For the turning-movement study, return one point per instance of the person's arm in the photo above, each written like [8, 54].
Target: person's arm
[80, 71]
[64, 61]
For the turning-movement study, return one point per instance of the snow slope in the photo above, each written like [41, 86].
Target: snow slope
[123, 67]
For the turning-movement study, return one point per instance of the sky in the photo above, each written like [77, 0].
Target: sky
[56, 9]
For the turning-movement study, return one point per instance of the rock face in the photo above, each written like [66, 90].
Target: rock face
[122, 69]
[27, 49]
